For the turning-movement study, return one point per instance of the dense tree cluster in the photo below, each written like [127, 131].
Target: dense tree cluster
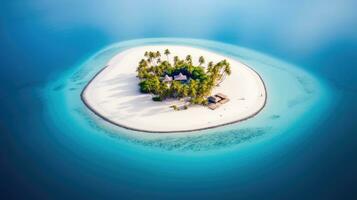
[200, 81]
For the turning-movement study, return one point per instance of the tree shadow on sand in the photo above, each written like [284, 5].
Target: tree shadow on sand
[126, 86]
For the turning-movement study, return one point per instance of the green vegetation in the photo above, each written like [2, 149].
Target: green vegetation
[181, 79]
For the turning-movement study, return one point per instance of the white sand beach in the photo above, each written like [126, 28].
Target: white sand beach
[113, 94]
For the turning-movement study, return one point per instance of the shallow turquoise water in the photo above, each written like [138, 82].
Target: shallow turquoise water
[296, 101]
[302, 146]
[293, 95]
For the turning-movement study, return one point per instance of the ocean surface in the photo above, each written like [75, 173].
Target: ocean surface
[302, 145]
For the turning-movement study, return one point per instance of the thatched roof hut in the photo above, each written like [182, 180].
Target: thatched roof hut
[180, 77]
[167, 78]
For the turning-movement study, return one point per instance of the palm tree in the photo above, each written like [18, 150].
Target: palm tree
[225, 71]
[185, 90]
[149, 60]
[201, 60]
[143, 63]
[176, 59]
[157, 56]
[163, 92]
[175, 88]
[192, 88]
[200, 87]
[209, 67]
[189, 59]
[209, 86]
[214, 72]
[167, 53]
[179, 89]
[155, 85]
[141, 69]
[151, 57]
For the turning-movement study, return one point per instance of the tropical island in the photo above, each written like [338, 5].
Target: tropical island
[145, 96]
[182, 79]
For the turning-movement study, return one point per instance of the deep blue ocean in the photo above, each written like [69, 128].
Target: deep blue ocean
[48, 153]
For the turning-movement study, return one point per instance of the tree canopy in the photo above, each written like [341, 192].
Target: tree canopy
[200, 81]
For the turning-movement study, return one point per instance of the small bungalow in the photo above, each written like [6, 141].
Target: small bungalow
[216, 100]
[167, 79]
[180, 77]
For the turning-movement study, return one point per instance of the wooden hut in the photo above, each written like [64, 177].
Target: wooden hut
[214, 99]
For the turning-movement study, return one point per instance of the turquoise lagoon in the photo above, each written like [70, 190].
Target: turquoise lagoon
[302, 145]
[297, 102]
